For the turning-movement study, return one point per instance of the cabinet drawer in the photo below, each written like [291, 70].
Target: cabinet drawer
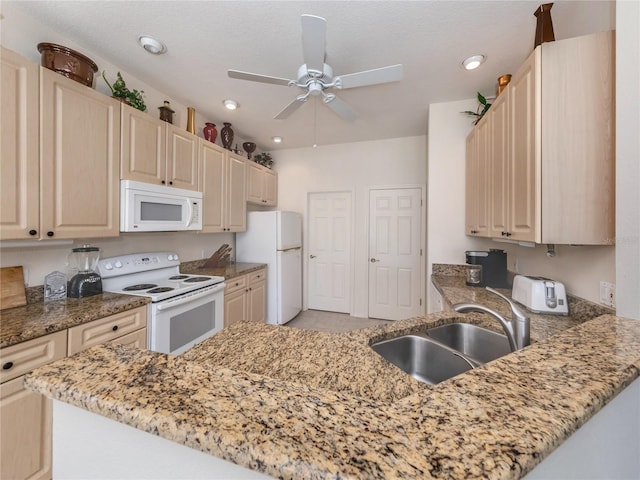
[24, 357]
[136, 339]
[106, 329]
[235, 284]
[258, 276]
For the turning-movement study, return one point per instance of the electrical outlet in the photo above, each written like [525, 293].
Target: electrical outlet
[608, 294]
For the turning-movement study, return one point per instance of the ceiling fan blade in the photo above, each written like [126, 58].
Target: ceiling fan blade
[292, 107]
[314, 34]
[254, 77]
[340, 107]
[392, 73]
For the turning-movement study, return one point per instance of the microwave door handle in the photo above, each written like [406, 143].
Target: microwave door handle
[190, 212]
[190, 298]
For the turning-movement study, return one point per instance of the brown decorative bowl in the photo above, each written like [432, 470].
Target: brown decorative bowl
[67, 62]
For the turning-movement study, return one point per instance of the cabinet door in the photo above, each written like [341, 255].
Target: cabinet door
[270, 189]
[182, 158]
[235, 307]
[212, 186]
[498, 167]
[471, 185]
[236, 194]
[257, 301]
[524, 166]
[19, 170]
[483, 156]
[25, 432]
[80, 161]
[254, 183]
[144, 147]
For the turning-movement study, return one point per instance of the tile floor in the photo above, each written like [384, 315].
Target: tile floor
[331, 321]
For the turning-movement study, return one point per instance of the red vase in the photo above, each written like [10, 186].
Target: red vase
[209, 131]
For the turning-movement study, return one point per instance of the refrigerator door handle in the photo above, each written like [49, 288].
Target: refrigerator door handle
[289, 249]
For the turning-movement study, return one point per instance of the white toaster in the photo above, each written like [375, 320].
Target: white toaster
[540, 295]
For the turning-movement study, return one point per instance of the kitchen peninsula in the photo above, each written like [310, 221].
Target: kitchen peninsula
[322, 417]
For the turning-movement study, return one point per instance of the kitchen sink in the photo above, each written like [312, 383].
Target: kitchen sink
[476, 343]
[422, 358]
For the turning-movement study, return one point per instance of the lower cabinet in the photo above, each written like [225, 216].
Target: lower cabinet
[26, 417]
[245, 298]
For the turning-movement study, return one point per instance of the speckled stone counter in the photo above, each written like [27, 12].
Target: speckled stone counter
[37, 319]
[228, 272]
[497, 421]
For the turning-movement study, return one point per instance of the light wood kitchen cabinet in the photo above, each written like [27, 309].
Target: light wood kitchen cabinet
[223, 187]
[19, 144]
[559, 144]
[476, 180]
[245, 298]
[157, 152]
[25, 430]
[79, 163]
[262, 185]
[110, 329]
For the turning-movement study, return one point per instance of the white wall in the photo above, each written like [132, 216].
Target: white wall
[356, 167]
[580, 268]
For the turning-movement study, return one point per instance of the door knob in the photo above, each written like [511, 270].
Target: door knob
[312, 256]
[373, 260]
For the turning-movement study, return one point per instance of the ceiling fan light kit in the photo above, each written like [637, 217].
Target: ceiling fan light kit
[315, 77]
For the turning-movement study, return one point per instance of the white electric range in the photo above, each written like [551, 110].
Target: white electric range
[185, 308]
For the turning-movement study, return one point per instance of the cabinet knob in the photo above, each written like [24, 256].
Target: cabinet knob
[7, 365]
[50, 234]
[114, 328]
[171, 183]
[162, 182]
[506, 234]
[33, 232]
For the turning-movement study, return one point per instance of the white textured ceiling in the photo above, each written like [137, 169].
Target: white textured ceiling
[205, 38]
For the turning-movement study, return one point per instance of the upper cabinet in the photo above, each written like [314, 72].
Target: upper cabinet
[262, 185]
[551, 163]
[60, 162]
[476, 178]
[157, 152]
[223, 187]
[19, 169]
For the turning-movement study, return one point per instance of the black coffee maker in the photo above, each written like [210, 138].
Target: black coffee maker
[86, 281]
[493, 268]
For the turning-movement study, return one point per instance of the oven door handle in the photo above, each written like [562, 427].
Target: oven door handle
[190, 297]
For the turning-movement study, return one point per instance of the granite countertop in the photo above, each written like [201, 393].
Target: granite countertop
[228, 272]
[497, 421]
[34, 320]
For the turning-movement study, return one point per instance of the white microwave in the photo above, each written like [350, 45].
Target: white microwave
[145, 207]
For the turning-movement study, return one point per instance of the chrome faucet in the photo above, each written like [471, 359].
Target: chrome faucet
[517, 329]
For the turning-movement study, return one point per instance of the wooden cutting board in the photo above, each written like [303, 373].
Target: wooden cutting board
[12, 293]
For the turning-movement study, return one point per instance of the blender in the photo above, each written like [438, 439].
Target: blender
[86, 282]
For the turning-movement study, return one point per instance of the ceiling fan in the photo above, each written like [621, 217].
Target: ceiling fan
[315, 76]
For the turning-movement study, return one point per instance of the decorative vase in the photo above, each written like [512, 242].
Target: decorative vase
[544, 25]
[503, 81]
[191, 120]
[209, 131]
[249, 147]
[166, 114]
[227, 136]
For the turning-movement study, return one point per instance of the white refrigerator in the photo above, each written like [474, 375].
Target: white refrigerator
[275, 238]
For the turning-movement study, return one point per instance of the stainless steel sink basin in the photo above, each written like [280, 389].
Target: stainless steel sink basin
[422, 358]
[477, 343]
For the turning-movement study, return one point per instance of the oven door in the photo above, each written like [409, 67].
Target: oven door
[179, 323]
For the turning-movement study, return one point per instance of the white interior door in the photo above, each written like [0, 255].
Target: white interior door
[330, 251]
[395, 253]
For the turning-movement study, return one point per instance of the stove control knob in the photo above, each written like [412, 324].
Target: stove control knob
[118, 264]
[108, 266]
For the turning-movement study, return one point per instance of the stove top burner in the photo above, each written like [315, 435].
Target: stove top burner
[139, 286]
[196, 279]
[178, 277]
[160, 290]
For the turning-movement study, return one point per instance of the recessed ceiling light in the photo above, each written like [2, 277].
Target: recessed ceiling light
[152, 45]
[277, 139]
[473, 62]
[230, 104]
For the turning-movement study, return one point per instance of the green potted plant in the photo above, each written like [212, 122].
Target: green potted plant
[263, 159]
[479, 113]
[119, 90]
